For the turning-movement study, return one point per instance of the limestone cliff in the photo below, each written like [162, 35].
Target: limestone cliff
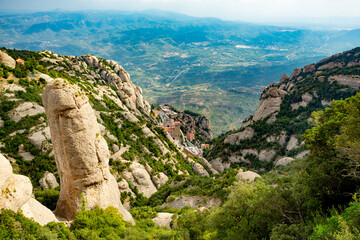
[275, 129]
[115, 75]
[142, 157]
[195, 123]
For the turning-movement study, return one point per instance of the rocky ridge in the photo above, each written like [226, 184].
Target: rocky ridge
[142, 157]
[274, 131]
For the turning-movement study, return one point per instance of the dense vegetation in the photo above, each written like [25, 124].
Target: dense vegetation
[88, 224]
[316, 199]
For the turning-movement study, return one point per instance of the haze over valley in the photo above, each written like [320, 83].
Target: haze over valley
[206, 65]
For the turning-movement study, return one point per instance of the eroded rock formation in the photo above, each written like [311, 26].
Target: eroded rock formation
[81, 153]
[119, 78]
[16, 193]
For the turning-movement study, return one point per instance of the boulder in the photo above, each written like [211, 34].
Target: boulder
[115, 148]
[48, 181]
[81, 153]
[38, 212]
[247, 176]
[7, 60]
[37, 139]
[163, 219]
[295, 73]
[283, 78]
[16, 191]
[139, 177]
[160, 179]
[199, 169]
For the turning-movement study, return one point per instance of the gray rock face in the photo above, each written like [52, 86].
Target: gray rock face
[48, 181]
[302, 154]
[16, 193]
[284, 161]
[208, 165]
[350, 81]
[281, 139]
[237, 137]
[199, 124]
[293, 143]
[26, 108]
[119, 78]
[81, 153]
[7, 60]
[267, 155]
[139, 177]
[306, 99]
[269, 103]
[163, 219]
[193, 201]
[219, 165]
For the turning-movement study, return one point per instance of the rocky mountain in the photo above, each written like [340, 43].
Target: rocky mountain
[272, 136]
[81, 122]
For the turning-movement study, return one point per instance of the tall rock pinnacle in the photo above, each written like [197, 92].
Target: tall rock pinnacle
[81, 153]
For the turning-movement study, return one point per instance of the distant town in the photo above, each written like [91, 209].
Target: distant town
[166, 117]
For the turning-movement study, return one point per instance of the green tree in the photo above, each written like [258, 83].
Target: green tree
[334, 154]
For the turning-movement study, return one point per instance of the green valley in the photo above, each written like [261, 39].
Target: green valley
[167, 53]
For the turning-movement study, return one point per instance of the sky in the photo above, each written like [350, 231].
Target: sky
[246, 10]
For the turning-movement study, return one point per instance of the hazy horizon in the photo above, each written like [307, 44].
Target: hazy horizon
[296, 12]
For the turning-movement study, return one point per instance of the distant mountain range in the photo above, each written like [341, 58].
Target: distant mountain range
[207, 65]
